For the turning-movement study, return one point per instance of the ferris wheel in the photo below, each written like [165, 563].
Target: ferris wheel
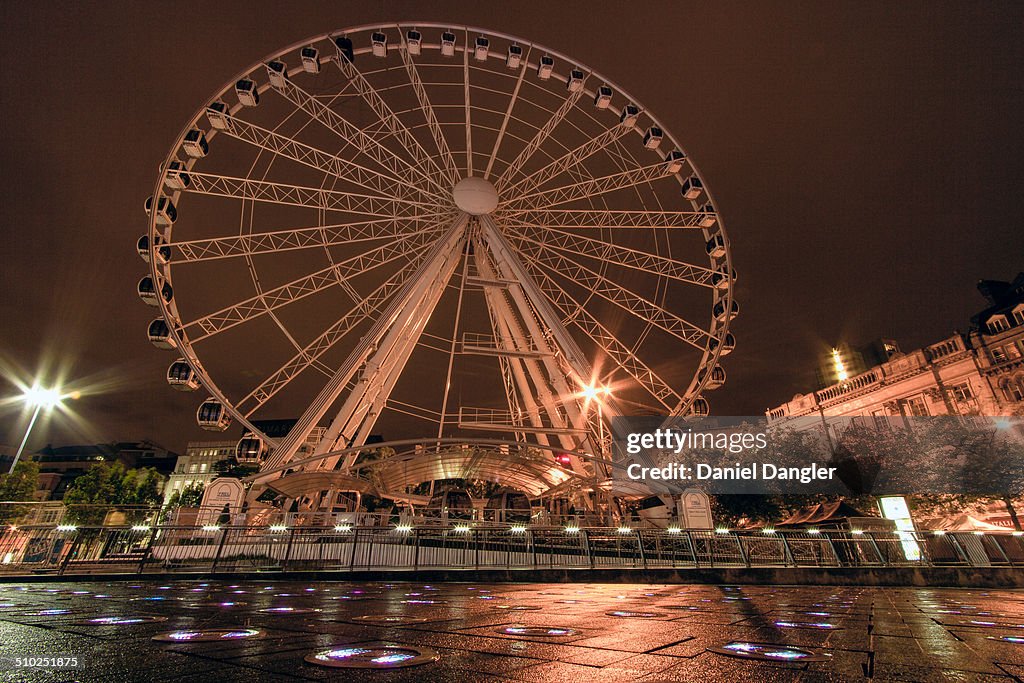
[434, 231]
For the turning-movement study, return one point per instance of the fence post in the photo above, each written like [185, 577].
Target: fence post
[533, 546]
[416, 549]
[147, 551]
[640, 546]
[586, 546]
[288, 549]
[743, 553]
[71, 551]
[874, 544]
[787, 551]
[355, 544]
[476, 547]
[220, 548]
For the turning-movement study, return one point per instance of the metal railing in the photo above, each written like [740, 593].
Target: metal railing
[67, 549]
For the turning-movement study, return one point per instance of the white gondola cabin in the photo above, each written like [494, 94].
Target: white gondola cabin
[181, 376]
[414, 42]
[710, 217]
[250, 449]
[514, 57]
[247, 92]
[217, 114]
[448, 44]
[630, 114]
[674, 161]
[575, 81]
[212, 415]
[176, 178]
[727, 346]
[692, 187]
[716, 246]
[481, 48]
[379, 44]
[166, 213]
[147, 291]
[344, 47]
[603, 98]
[720, 314]
[700, 407]
[277, 73]
[545, 67]
[652, 138]
[310, 57]
[163, 252]
[160, 334]
[195, 144]
[714, 380]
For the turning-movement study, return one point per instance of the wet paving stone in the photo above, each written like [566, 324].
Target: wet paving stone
[617, 632]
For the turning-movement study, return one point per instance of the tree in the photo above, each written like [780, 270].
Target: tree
[107, 485]
[19, 485]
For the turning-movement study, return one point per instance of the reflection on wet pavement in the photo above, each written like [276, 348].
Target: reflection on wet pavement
[291, 630]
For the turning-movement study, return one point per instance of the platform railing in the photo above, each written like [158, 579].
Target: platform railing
[66, 549]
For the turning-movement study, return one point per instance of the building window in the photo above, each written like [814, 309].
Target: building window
[1013, 389]
[961, 392]
[202, 468]
[1018, 315]
[916, 406]
[997, 324]
[998, 355]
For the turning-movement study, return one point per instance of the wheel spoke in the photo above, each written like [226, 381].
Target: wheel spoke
[508, 112]
[590, 188]
[568, 160]
[451, 168]
[616, 293]
[421, 158]
[310, 354]
[386, 187]
[568, 219]
[545, 131]
[301, 238]
[295, 195]
[574, 244]
[402, 169]
[256, 306]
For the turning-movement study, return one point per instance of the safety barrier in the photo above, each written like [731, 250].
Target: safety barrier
[163, 549]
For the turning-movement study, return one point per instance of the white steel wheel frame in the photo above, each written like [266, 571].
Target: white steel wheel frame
[543, 236]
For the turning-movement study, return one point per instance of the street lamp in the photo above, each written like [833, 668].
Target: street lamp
[40, 398]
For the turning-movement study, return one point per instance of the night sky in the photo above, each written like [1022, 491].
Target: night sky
[866, 158]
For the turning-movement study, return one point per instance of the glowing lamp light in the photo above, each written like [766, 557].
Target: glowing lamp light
[140, 527]
[840, 367]
[857, 532]
[403, 528]
[519, 529]
[342, 528]
[461, 529]
[67, 527]
[278, 528]
[624, 530]
[940, 532]
[211, 527]
[675, 530]
[572, 529]
[42, 398]
[814, 532]
[768, 531]
[721, 530]
[1017, 533]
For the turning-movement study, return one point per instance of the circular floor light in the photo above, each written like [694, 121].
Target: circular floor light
[768, 652]
[390, 619]
[537, 631]
[119, 621]
[208, 635]
[373, 656]
[516, 608]
[288, 610]
[630, 614]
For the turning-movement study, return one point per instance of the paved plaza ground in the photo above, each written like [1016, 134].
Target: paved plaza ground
[521, 632]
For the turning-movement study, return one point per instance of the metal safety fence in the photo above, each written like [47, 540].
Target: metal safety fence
[65, 549]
